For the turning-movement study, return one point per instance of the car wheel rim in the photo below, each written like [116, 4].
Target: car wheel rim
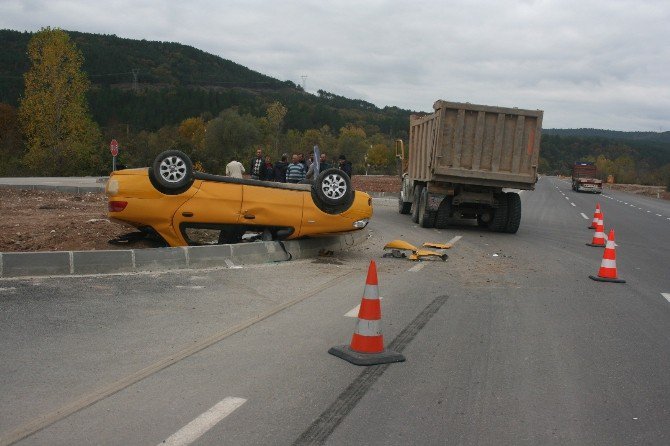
[334, 186]
[173, 169]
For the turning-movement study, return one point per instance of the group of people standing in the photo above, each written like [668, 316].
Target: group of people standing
[299, 169]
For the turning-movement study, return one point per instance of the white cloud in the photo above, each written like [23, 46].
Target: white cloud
[586, 63]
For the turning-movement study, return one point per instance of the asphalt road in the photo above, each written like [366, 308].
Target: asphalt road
[508, 342]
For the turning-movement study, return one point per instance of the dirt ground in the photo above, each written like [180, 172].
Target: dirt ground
[39, 220]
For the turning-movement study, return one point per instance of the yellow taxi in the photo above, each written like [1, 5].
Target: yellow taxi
[172, 201]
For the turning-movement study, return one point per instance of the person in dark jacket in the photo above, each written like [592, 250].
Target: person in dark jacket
[269, 169]
[257, 167]
[280, 169]
[345, 165]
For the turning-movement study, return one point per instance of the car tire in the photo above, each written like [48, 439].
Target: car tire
[415, 202]
[426, 217]
[513, 212]
[172, 172]
[332, 191]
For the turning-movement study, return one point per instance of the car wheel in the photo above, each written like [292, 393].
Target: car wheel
[426, 217]
[172, 172]
[415, 202]
[332, 191]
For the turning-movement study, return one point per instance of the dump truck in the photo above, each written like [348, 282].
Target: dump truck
[461, 157]
[584, 178]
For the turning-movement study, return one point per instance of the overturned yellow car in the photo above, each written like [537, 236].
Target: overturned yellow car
[180, 206]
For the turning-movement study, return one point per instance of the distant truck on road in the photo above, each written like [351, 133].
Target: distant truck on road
[584, 178]
[460, 159]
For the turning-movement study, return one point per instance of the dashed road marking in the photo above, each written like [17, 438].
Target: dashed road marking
[666, 295]
[11, 288]
[454, 240]
[659, 215]
[573, 204]
[194, 430]
[567, 198]
[584, 215]
[416, 268]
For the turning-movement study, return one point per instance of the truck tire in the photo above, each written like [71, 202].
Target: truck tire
[415, 202]
[513, 212]
[443, 213]
[404, 207]
[499, 221]
[426, 217]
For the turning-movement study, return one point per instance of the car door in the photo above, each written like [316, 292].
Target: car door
[215, 205]
[272, 206]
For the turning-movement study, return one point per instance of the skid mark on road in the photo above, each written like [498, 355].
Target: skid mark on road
[194, 430]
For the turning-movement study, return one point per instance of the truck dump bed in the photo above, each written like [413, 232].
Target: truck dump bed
[476, 144]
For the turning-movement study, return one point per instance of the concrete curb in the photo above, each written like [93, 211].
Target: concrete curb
[66, 263]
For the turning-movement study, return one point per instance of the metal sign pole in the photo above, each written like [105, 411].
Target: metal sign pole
[113, 163]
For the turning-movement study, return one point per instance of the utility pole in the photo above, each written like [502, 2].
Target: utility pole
[304, 81]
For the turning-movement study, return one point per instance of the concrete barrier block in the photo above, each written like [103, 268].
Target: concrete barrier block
[208, 256]
[102, 262]
[156, 259]
[249, 253]
[15, 264]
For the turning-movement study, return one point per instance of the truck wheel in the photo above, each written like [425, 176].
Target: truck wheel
[415, 203]
[172, 172]
[443, 213]
[404, 207]
[426, 217]
[499, 221]
[513, 212]
[332, 191]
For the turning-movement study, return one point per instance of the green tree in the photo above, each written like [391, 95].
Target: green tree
[193, 130]
[276, 113]
[11, 148]
[229, 135]
[378, 156]
[61, 137]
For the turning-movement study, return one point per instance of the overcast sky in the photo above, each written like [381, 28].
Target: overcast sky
[601, 64]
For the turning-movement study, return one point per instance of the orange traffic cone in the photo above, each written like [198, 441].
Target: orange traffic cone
[599, 234]
[607, 272]
[367, 343]
[597, 215]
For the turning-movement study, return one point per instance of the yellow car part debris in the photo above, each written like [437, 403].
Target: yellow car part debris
[438, 245]
[400, 244]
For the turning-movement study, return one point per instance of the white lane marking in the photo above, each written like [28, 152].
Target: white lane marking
[573, 204]
[659, 215]
[648, 212]
[666, 295]
[192, 287]
[454, 240]
[11, 288]
[584, 215]
[354, 311]
[567, 198]
[416, 268]
[194, 430]
[626, 203]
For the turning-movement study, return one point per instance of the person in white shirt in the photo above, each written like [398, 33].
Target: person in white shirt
[234, 169]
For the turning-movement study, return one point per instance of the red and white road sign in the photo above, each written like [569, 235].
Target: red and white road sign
[114, 147]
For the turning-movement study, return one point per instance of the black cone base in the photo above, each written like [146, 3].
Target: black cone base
[345, 352]
[605, 279]
[597, 246]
